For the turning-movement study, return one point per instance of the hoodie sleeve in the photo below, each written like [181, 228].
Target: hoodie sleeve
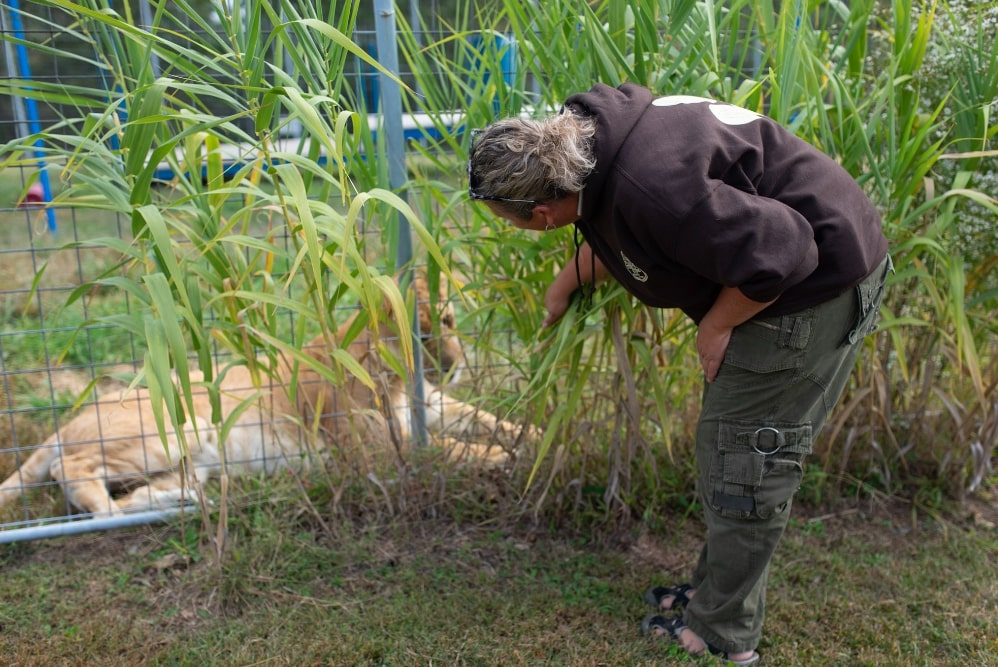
[739, 239]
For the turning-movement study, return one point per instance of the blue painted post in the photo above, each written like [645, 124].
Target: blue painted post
[31, 110]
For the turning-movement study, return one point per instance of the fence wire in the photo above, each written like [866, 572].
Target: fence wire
[53, 359]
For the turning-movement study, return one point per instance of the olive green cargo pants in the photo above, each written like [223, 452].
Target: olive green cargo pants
[780, 379]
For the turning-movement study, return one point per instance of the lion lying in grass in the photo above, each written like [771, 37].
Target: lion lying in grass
[110, 457]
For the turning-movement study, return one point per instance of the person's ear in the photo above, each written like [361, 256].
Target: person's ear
[546, 213]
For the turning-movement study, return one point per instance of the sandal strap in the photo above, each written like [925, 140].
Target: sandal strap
[679, 595]
[653, 623]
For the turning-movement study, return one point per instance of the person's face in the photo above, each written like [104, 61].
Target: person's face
[545, 216]
[536, 223]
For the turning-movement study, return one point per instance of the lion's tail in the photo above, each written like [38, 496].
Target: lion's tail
[34, 470]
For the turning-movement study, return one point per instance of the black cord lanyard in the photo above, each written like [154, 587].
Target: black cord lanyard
[586, 302]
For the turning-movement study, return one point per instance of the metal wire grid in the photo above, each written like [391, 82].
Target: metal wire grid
[39, 395]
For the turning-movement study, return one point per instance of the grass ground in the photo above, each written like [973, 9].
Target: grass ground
[852, 586]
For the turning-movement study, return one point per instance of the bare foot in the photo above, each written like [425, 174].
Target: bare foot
[694, 645]
[691, 642]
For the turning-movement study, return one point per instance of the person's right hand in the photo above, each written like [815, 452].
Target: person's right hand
[584, 269]
[556, 302]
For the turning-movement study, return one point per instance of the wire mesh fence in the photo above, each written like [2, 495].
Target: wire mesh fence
[60, 357]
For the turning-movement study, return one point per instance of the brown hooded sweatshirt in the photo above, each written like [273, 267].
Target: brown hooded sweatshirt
[690, 194]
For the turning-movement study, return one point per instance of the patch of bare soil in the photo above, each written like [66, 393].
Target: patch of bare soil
[161, 582]
[95, 550]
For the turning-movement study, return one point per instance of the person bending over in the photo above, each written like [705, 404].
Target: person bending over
[770, 247]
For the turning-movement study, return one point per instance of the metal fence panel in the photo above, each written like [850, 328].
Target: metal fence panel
[47, 360]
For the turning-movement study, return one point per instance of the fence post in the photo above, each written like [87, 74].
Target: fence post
[391, 132]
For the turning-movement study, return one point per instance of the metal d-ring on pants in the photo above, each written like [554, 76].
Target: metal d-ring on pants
[780, 379]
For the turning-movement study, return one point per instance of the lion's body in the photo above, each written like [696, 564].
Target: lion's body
[111, 458]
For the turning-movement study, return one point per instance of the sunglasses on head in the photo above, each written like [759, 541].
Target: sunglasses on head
[471, 184]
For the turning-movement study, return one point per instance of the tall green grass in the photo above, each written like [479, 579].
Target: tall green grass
[217, 254]
[616, 386]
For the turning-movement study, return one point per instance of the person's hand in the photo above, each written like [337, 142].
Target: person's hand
[730, 309]
[712, 343]
[556, 302]
[586, 268]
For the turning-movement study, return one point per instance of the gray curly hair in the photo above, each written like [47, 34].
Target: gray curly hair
[518, 162]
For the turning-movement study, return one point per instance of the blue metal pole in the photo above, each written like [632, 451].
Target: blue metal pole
[34, 125]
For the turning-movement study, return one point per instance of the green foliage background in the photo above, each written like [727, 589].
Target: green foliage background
[301, 226]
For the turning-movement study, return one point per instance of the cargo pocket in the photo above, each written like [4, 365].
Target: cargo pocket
[869, 296]
[756, 469]
[767, 345]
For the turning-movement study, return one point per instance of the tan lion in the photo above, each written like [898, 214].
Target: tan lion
[110, 457]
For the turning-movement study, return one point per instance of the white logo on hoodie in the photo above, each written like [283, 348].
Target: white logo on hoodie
[728, 114]
[637, 272]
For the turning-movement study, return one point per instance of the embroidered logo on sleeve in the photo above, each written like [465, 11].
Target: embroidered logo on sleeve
[636, 271]
[728, 114]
